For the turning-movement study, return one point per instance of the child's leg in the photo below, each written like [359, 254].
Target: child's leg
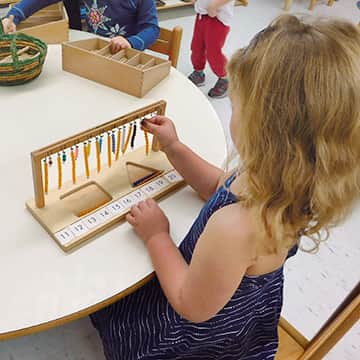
[215, 36]
[198, 54]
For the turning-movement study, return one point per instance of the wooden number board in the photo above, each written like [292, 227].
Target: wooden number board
[111, 168]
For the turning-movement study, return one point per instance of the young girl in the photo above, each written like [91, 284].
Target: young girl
[295, 92]
[130, 23]
[211, 29]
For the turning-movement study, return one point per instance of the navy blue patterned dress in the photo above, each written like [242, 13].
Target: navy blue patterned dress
[144, 326]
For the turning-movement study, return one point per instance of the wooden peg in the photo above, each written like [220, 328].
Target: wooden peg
[19, 53]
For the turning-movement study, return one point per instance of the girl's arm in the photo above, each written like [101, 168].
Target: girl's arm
[203, 177]
[222, 254]
[147, 25]
[26, 8]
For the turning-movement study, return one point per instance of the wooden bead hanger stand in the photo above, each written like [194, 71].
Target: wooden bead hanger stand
[75, 211]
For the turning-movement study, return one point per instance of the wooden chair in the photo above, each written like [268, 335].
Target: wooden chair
[288, 3]
[168, 43]
[294, 346]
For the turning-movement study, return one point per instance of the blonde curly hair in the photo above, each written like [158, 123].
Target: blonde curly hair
[298, 136]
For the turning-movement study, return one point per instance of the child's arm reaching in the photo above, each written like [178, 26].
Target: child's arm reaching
[147, 24]
[26, 8]
[203, 177]
[223, 253]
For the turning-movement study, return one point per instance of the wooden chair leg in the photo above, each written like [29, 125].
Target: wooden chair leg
[312, 4]
[330, 2]
[287, 4]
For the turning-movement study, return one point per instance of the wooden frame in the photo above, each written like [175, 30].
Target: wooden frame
[293, 346]
[79, 210]
[38, 155]
[169, 43]
[129, 70]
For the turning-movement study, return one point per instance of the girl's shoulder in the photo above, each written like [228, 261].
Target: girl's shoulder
[234, 224]
[235, 229]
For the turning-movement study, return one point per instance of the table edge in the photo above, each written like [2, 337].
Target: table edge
[76, 315]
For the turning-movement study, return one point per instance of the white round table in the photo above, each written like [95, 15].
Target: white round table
[41, 286]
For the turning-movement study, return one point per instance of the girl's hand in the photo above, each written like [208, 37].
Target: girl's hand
[8, 25]
[118, 43]
[163, 128]
[148, 220]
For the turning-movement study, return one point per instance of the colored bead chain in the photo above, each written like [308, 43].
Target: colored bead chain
[86, 160]
[118, 144]
[59, 164]
[73, 165]
[98, 158]
[128, 137]
[133, 136]
[46, 176]
[109, 149]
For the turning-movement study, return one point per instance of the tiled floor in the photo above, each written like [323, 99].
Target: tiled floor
[333, 271]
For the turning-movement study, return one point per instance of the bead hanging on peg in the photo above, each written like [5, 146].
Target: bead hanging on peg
[132, 143]
[118, 144]
[64, 156]
[146, 136]
[123, 139]
[46, 176]
[128, 137]
[73, 165]
[101, 142]
[89, 147]
[113, 142]
[86, 160]
[76, 152]
[50, 161]
[109, 148]
[59, 164]
[98, 158]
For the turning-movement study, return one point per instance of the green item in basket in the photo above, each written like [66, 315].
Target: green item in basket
[21, 57]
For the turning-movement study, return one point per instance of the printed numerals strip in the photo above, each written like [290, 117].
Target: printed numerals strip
[116, 208]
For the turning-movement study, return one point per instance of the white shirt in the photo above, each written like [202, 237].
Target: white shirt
[224, 14]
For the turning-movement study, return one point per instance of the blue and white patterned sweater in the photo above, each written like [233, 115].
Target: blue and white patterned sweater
[135, 20]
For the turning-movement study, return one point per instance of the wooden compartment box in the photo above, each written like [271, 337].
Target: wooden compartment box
[129, 70]
[49, 24]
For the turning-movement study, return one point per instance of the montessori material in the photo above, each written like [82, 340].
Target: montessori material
[107, 172]
[21, 58]
[49, 24]
[129, 70]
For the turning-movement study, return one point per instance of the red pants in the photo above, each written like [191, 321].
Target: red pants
[207, 43]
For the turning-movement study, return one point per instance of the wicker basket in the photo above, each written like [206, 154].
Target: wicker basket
[18, 70]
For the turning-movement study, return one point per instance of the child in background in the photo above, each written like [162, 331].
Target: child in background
[130, 23]
[295, 93]
[211, 29]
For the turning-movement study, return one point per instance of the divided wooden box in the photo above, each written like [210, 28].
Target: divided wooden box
[129, 70]
[49, 24]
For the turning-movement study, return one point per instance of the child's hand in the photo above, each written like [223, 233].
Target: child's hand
[148, 220]
[118, 43]
[212, 9]
[8, 25]
[163, 128]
